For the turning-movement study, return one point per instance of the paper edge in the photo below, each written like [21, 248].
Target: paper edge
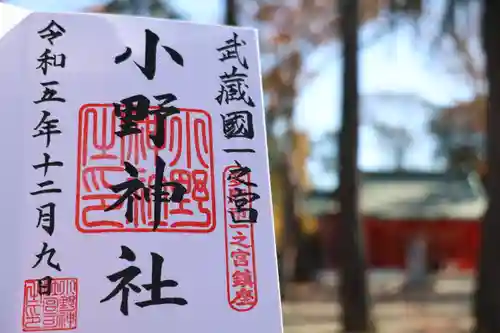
[11, 16]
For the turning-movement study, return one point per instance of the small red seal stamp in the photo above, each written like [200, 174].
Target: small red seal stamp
[56, 310]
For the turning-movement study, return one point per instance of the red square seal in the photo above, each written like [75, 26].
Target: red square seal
[189, 159]
[55, 312]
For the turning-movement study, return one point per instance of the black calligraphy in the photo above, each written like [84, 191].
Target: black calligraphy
[46, 127]
[49, 93]
[126, 276]
[47, 163]
[136, 109]
[156, 191]
[45, 286]
[50, 253]
[150, 53]
[46, 217]
[236, 124]
[52, 32]
[242, 195]
[231, 50]
[47, 60]
[233, 87]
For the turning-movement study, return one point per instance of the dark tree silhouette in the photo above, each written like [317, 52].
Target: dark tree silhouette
[352, 263]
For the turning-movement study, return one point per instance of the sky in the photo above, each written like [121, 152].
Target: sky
[399, 62]
[206, 11]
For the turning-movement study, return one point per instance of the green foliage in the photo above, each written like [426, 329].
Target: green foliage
[157, 8]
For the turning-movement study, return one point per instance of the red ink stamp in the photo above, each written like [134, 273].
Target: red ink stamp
[241, 270]
[187, 152]
[55, 312]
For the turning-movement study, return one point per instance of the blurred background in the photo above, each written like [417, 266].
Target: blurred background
[377, 107]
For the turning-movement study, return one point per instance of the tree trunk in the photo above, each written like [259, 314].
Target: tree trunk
[291, 225]
[231, 13]
[353, 288]
[487, 298]
[277, 165]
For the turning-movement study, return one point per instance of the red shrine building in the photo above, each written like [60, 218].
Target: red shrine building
[397, 207]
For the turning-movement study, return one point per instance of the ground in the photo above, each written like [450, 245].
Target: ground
[444, 308]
